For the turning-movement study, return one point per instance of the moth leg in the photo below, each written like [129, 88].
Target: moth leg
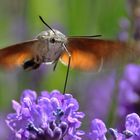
[56, 62]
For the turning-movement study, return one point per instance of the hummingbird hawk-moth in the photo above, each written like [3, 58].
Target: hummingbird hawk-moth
[80, 52]
[86, 52]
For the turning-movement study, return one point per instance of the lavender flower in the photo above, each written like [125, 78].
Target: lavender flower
[129, 95]
[124, 27]
[132, 129]
[98, 130]
[132, 124]
[51, 116]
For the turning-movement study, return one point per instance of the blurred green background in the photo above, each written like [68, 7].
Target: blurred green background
[19, 22]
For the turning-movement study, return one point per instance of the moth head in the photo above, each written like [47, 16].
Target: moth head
[54, 36]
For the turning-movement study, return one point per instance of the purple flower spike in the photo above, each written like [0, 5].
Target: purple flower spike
[132, 129]
[51, 116]
[132, 124]
[98, 130]
[129, 94]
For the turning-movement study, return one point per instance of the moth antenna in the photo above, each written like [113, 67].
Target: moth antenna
[87, 36]
[46, 24]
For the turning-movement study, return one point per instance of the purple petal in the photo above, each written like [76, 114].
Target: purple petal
[134, 78]
[57, 94]
[16, 106]
[30, 94]
[98, 130]
[55, 103]
[133, 123]
[45, 94]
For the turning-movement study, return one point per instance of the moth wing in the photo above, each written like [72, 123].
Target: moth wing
[91, 54]
[16, 55]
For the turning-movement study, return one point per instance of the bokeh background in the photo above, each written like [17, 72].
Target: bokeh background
[96, 92]
[20, 22]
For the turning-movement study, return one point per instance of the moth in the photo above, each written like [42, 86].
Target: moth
[80, 52]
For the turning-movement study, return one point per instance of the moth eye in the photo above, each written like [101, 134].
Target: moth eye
[52, 40]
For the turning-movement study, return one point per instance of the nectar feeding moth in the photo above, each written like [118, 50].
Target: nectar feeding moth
[81, 52]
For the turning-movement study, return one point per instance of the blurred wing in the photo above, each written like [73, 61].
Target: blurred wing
[92, 54]
[17, 54]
